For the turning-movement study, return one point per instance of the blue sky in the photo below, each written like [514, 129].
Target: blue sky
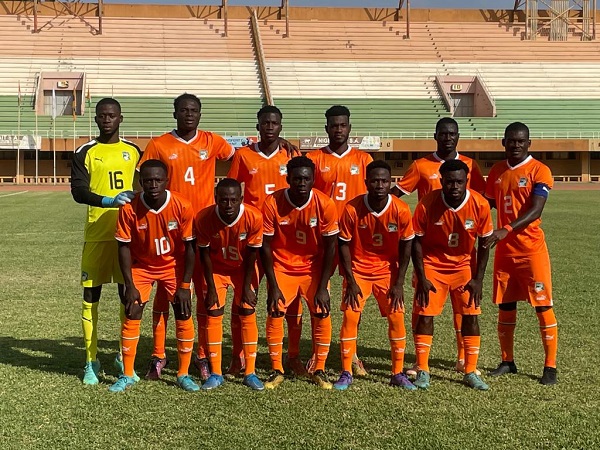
[488, 4]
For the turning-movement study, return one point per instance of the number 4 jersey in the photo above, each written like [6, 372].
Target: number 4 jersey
[106, 170]
[156, 237]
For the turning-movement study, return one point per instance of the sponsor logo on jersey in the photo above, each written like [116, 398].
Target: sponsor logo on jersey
[173, 156]
[325, 169]
[392, 227]
[284, 222]
[243, 236]
[354, 169]
[539, 286]
[440, 222]
[203, 155]
[522, 182]
[98, 159]
[469, 224]
[362, 226]
[312, 222]
[498, 181]
[282, 169]
[126, 156]
[172, 225]
[253, 171]
[84, 276]
[142, 226]
[433, 176]
[541, 298]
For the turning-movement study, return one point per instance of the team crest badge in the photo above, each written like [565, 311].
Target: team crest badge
[354, 170]
[539, 286]
[203, 155]
[522, 182]
[313, 222]
[173, 156]
[433, 177]
[469, 224]
[142, 226]
[126, 156]
[84, 276]
[282, 170]
[172, 225]
[324, 169]
[392, 227]
[243, 236]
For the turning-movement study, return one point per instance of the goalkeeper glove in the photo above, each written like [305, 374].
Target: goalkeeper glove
[119, 200]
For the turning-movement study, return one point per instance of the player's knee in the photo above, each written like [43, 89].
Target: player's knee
[215, 312]
[246, 311]
[276, 315]
[508, 306]
[135, 313]
[323, 315]
[92, 295]
[470, 325]
[541, 309]
[424, 325]
[179, 315]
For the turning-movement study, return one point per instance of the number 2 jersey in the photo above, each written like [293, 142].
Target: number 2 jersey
[106, 170]
[156, 237]
[191, 164]
[448, 234]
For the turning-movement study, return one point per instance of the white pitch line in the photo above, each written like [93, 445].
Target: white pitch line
[13, 193]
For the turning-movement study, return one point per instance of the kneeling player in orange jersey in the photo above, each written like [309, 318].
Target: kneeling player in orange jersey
[300, 234]
[375, 243]
[229, 235]
[156, 245]
[447, 223]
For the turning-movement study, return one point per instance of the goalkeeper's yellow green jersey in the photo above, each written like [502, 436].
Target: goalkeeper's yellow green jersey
[106, 169]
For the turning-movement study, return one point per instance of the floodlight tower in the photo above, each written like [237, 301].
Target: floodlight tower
[555, 18]
[75, 7]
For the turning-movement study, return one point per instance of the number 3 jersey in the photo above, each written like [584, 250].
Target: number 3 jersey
[156, 237]
[448, 234]
[228, 242]
[297, 243]
[106, 170]
[191, 164]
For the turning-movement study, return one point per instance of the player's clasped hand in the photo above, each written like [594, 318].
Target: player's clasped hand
[495, 237]
[120, 199]
[423, 289]
[183, 299]
[322, 301]
[351, 295]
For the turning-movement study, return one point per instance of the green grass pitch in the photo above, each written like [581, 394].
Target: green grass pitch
[44, 405]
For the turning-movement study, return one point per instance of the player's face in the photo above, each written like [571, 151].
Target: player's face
[446, 137]
[187, 115]
[108, 118]
[228, 201]
[516, 145]
[269, 127]
[301, 181]
[378, 183]
[338, 129]
[454, 185]
[154, 182]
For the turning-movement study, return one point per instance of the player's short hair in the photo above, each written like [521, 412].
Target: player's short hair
[226, 183]
[337, 110]
[453, 165]
[186, 96]
[300, 161]
[269, 109]
[445, 121]
[377, 164]
[107, 101]
[516, 126]
[151, 163]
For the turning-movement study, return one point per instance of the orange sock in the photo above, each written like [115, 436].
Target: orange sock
[214, 342]
[422, 348]
[249, 331]
[184, 332]
[275, 341]
[321, 340]
[507, 322]
[130, 336]
[460, 346]
[472, 344]
[160, 317]
[348, 338]
[397, 335]
[549, 330]
[236, 332]
[201, 317]
[293, 317]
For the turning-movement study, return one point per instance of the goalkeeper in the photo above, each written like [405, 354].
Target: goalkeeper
[102, 177]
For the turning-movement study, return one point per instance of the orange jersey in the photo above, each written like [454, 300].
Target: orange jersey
[262, 175]
[341, 177]
[297, 243]
[423, 175]
[191, 164]
[448, 235]
[374, 236]
[227, 242]
[156, 238]
[512, 189]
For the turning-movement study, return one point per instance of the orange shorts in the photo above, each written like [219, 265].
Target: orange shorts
[224, 282]
[524, 278]
[447, 281]
[379, 287]
[167, 281]
[292, 285]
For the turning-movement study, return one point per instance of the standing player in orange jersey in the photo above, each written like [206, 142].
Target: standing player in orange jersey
[300, 235]
[447, 222]
[518, 188]
[261, 168]
[229, 235]
[375, 244]
[340, 171]
[423, 176]
[156, 245]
